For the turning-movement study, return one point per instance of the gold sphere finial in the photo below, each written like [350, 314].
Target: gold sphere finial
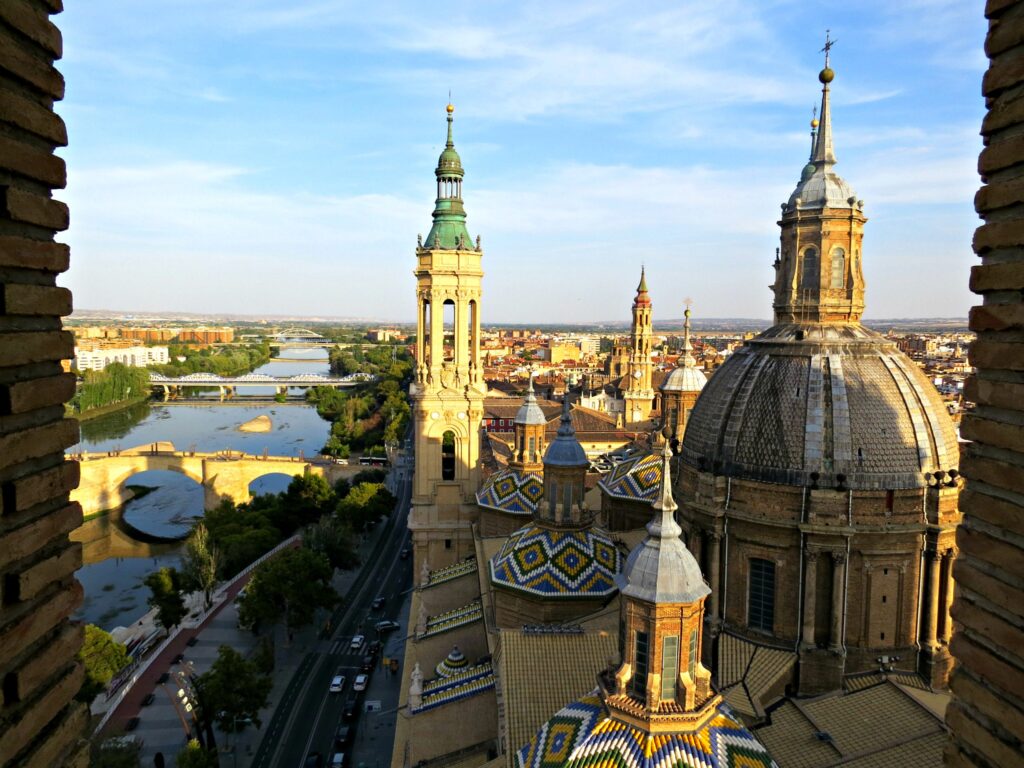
[450, 108]
[814, 122]
[826, 75]
[686, 312]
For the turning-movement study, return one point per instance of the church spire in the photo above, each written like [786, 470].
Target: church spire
[687, 359]
[824, 153]
[642, 299]
[449, 229]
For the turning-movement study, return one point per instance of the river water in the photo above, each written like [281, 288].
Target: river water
[125, 545]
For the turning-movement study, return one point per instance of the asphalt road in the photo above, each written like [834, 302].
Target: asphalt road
[308, 716]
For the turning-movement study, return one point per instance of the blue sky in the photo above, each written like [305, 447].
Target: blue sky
[272, 157]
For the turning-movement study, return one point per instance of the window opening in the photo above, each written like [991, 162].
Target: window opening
[448, 456]
[669, 666]
[761, 603]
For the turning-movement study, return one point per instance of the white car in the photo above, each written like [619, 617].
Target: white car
[360, 682]
[357, 643]
[337, 684]
[338, 760]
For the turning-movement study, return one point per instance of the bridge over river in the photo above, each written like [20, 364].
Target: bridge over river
[223, 475]
[172, 386]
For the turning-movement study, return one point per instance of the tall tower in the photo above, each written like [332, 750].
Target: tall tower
[449, 389]
[638, 394]
[818, 277]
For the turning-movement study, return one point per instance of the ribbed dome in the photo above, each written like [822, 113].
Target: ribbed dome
[826, 399]
[822, 188]
[565, 450]
[529, 412]
[685, 379]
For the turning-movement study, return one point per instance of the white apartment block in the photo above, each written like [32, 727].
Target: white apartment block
[96, 359]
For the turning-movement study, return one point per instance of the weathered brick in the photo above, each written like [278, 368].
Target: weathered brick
[998, 473]
[43, 255]
[22, 542]
[1003, 72]
[20, 299]
[997, 277]
[42, 712]
[992, 510]
[981, 739]
[32, 625]
[993, 8]
[991, 432]
[33, 24]
[997, 354]
[992, 627]
[1004, 112]
[61, 745]
[36, 347]
[33, 117]
[58, 653]
[19, 205]
[999, 394]
[986, 666]
[1000, 155]
[988, 549]
[974, 695]
[998, 234]
[1002, 37]
[26, 65]
[32, 580]
[25, 396]
[37, 441]
[33, 163]
[38, 487]
[999, 195]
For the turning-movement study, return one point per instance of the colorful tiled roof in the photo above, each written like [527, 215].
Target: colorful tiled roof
[452, 664]
[473, 681]
[453, 571]
[512, 491]
[583, 734]
[637, 479]
[557, 564]
[457, 617]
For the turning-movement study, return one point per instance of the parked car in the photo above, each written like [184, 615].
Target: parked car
[387, 625]
[374, 647]
[350, 709]
[361, 682]
[378, 602]
[368, 661]
[338, 760]
[313, 760]
[357, 643]
[337, 684]
[342, 735]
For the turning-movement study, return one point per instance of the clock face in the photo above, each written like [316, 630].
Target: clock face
[636, 374]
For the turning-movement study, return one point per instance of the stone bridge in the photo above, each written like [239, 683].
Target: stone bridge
[224, 475]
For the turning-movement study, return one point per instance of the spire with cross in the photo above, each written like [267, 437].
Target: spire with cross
[829, 42]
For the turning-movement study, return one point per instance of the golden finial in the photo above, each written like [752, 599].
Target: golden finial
[827, 75]
[451, 107]
[814, 117]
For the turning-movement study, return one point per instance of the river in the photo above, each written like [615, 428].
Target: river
[117, 556]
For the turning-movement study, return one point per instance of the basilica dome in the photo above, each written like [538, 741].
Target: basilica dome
[552, 563]
[821, 405]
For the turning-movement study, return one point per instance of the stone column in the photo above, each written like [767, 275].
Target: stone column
[947, 575]
[696, 542]
[931, 616]
[714, 564]
[838, 584]
[810, 596]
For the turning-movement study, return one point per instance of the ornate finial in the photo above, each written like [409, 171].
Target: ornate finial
[478, 242]
[664, 526]
[826, 75]
[814, 118]
[687, 359]
[642, 288]
[419, 240]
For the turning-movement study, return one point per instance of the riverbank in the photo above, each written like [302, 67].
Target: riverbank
[105, 410]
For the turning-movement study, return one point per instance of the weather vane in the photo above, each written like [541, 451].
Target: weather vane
[828, 46]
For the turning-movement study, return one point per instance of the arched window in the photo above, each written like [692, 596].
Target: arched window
[448, 330]
[810, 275]
[448, 456]
[761, 597]
[838, 268]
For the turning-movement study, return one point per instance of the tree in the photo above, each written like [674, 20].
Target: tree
[308, 498]
[194, 756]
[103, 657]
[365, 503]
[165, 588]
[333, 539]
[291, 585]
[200, 563]
[233, 691]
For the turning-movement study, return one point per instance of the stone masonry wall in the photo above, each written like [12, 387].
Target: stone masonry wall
[40, 724]
[987, 713]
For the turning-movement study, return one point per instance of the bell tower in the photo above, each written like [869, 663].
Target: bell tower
[637, 391]
[449, 389]
[818, 277]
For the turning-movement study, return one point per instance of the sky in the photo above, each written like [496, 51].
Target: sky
[269, 157]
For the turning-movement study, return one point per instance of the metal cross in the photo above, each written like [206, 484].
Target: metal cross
[688, 302]
[828, 46]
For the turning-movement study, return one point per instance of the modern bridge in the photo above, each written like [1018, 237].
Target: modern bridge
[171, 385]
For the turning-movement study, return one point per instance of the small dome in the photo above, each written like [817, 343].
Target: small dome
[454, 663]
[449, 163]
[821, 188]
[637, 479]
[557, 564]
[685, 379]
[585, 734]
[565, 450]
[512, 491]
[529, 412]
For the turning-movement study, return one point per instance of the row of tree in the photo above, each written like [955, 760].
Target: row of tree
[116, 383]
[222, 361]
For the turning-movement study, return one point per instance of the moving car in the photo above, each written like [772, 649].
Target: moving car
[338, 760]
[337, 684]
[387, 625]
[357, 642]
[342, 736]
[351, 707]
[368, 661]
[360, 683]
[404, 554]
[378, 602]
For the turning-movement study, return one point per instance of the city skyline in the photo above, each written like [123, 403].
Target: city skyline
[282, 160]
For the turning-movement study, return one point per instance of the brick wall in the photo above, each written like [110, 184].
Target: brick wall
[987, 713]
[40, 725]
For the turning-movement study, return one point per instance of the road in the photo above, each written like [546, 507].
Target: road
[308, 716]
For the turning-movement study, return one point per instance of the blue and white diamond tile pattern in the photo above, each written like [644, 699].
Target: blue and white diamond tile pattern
[558, 564]
[512, 491]
[638, 479]
[445, 690]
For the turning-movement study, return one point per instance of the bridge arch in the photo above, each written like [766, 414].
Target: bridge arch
[273, 481]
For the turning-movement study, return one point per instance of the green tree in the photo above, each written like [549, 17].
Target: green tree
[165, 595]
[103, 657]
[308, 498]
[201, 562]
[333, 539]
[234, 690]
[194, 756]
[291, 585]
[365, 504]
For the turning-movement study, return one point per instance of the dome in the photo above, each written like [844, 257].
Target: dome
[585, 734]
[685, 379]
[825, 405]
[553, 563]
[449, 163]
[823, 188]
[529, 412]
[637, 479]
[454, 663]
[513, 491]
[565, 450]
